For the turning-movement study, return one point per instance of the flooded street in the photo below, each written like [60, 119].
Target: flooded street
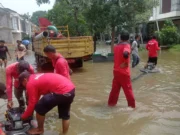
[157, 100]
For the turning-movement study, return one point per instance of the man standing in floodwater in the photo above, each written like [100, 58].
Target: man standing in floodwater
[153, 48]
[20, 51]
[3, 51]
[135, 53]
[122, 72]
[60, 64]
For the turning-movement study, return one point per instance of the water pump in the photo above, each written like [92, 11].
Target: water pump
[14, 125]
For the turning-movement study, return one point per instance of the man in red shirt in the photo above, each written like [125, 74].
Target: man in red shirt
[122, 72]
[12, 72]
[59, 62]
[153, 48]
[57, 90]
[1, 132]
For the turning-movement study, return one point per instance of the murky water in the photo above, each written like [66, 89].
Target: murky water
[157, 100]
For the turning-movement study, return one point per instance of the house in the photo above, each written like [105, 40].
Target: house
[167, 9]
[13, 26]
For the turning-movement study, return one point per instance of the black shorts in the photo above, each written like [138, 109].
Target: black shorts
[49, 101]
[153, 60]
[3, 58]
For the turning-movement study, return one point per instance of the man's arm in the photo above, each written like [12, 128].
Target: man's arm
[9, 83]
[33, 98]
[31, 70]
[61, 68]
[133, 45]
[8, 52]
[157, 46]
[126, 53]
[147, 46]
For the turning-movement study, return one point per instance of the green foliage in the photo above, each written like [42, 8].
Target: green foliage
[36, 15]
[39, 2]
[168, 35]
[99, 16]
[26, 16]
[63, 14]
[175, 48]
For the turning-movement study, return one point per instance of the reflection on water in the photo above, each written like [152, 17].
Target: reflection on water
[157, 97]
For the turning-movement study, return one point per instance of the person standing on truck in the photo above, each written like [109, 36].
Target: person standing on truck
[3, 51]
[59, 92]
[122, 72]
[12, 72]
[134, 49]
[153, 48]
[60, 64]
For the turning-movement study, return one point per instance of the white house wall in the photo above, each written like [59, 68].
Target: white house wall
[6, 35]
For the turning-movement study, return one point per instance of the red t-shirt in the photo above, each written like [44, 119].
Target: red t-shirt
[1, 131]
[42, 84]
[61, 66]
[119, 58]
[12, 73]
[152, 47]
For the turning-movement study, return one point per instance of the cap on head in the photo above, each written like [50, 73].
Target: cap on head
[22, 66]
[49, 49]
[24, 75]
[2, 41]
[124, 35]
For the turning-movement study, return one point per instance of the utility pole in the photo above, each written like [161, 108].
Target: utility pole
[155, 11]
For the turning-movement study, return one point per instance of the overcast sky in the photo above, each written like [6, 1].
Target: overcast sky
[25, 6]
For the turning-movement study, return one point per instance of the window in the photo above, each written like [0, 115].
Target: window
[166, 6]
[175, 5]
[15, 23]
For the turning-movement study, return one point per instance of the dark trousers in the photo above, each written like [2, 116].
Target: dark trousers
[18, 92]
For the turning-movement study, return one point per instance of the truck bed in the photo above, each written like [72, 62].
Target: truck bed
[73, 47]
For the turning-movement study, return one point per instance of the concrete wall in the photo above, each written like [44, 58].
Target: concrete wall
[173, 13]
[175, 5]
[6, 35]
[4, 20]
[16, 36]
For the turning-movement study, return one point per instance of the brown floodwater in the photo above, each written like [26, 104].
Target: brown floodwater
[157, 100]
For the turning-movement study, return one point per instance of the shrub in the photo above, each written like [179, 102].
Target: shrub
[168, 35]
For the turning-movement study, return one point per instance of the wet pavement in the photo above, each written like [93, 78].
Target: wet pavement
[157, 100]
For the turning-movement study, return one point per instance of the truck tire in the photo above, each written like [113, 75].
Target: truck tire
[79, 63]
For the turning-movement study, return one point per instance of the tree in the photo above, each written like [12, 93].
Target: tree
[168, 35]
[26, 16]
[100, 15]
[36, 15]
[75, 6]
[118, 13]
[63, 14]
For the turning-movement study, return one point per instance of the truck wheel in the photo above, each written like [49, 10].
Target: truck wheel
[79, 63]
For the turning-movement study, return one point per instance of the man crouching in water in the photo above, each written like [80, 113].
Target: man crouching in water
[57, 90]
